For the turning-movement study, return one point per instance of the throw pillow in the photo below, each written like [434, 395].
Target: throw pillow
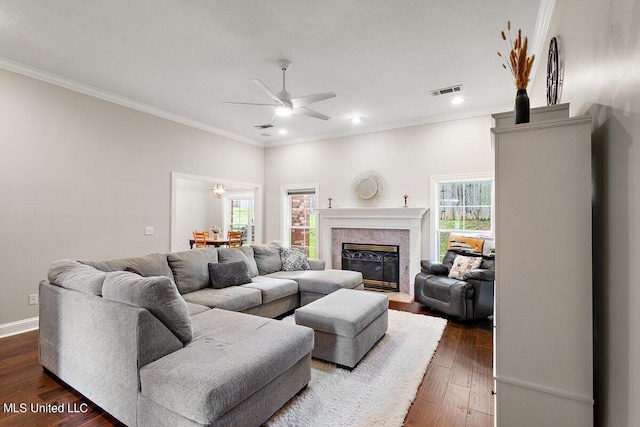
[293, 259]
[157, 294]
[223, 275]
[462, 265]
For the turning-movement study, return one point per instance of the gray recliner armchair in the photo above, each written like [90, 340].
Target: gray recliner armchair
[469, 293]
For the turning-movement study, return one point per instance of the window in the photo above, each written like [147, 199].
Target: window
[300, 220]
[462, 205]
[242, 218]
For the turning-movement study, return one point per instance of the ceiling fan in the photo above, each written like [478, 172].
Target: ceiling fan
[284, 104]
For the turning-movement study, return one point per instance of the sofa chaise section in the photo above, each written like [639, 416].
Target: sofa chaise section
[233, 357]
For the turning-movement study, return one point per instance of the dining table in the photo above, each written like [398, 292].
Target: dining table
[210, 242]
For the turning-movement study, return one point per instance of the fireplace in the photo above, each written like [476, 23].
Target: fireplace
[379, 264]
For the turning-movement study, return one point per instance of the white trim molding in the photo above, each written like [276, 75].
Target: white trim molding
[547, 390]
[94, 92]
[19, 327]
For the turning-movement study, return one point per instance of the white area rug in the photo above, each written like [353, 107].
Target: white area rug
[379, 391]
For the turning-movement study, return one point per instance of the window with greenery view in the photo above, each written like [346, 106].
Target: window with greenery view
[463, 206]
[302, 221]
[242, 219]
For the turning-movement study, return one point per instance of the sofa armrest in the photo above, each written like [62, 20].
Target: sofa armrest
[434, 267]
[480, 274]
[316, 264]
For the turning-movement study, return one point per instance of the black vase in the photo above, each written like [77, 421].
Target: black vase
[522, 107]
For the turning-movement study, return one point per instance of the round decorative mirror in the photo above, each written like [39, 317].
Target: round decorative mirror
[367, 188]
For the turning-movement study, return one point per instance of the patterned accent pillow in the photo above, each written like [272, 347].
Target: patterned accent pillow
[294, 259]
[462, 265]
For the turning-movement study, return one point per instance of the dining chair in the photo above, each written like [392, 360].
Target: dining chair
[235, 239]
[200, 238]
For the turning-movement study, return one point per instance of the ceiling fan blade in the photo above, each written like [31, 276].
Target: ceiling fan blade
[310, 99]
[251, 103]
[268, 91]
[309, 113]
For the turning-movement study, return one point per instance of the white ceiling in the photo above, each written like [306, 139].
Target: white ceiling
[182, 59]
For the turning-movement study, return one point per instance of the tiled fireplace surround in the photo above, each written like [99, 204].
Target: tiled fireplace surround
[390, 226]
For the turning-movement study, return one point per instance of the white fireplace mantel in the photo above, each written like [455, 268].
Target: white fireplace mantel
[377, 218]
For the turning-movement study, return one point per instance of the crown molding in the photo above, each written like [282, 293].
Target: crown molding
[94, 92]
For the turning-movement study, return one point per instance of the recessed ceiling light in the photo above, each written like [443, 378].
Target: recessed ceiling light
[282, 132]
[457, 100]
[283, 111]
[356, 119]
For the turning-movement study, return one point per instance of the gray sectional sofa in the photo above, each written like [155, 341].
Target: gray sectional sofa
[150, 340]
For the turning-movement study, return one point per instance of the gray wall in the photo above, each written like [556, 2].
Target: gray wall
[600, 41]
[81, 178]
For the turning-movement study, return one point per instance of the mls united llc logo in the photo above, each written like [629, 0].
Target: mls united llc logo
[21, 408]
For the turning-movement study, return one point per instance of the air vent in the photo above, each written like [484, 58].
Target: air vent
[267, 126]
[446, 90]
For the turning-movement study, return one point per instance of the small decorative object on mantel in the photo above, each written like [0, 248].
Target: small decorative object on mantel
[214, 232]
[330, 199]
[406, 196]
[519, 65]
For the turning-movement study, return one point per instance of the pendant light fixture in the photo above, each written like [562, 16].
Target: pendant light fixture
[218, 190]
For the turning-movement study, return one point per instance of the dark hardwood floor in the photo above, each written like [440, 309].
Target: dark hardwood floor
[455, 391]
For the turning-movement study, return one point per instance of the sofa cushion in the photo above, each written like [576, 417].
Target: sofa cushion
[293, 259]
[157, 294]
[272, 288]
[322, 281]
[243, 253]
[223, 365]
[267, 258]
[196, 308]
[148, 265]
[464, 264]
[234, 298]
[191, 268]
[77, 276]
[228, 274]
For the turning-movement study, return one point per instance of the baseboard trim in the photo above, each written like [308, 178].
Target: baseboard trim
[19, 327]
[547, 390]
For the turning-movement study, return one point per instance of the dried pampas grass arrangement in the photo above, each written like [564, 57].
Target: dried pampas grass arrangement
[517, 62]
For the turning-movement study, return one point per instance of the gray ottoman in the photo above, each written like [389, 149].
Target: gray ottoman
[347, 324]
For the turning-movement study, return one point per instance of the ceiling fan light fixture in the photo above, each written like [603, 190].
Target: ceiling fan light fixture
[283, 111]
[218, 190]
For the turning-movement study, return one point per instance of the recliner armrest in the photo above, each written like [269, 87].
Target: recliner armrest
[434, 267]
[480, 274]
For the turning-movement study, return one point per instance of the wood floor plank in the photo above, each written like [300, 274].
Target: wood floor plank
[439, 401]
[453, 411]
[479, 419]
[426, 416]
[480, 398]
[483, 360]
[434, 384]
[462, 368]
